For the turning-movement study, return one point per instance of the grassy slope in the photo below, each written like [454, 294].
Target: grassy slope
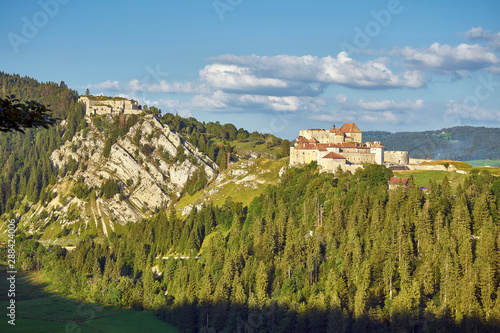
[41, 309]
[423, 178]
[260, 148]
[465, 166]
[266, 173]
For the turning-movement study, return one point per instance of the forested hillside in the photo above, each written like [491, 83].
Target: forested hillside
[217, 140]
[313, 253]
[25, 158]
[316, 253]
[462, 143]
[59, 172]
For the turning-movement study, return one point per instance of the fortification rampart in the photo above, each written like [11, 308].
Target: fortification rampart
[426, 167]
[341, 147]
[113, 106]
[396, 157]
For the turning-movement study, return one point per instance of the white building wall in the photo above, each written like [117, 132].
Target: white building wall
[396, 157]
[379, 155]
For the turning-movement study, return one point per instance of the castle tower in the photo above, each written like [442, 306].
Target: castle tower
[352, 133]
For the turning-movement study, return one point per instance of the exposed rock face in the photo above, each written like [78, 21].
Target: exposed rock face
[146, 182]
[282, 171]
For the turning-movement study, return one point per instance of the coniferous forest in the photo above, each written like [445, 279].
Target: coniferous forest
[463, 143]
[316, 253]
[25, 158]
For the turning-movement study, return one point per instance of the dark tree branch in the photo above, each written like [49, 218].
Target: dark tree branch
[14, 115]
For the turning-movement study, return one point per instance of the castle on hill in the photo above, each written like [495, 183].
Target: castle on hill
[103, 105]
[342, 147]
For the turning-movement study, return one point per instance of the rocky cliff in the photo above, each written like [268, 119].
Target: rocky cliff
[148, 166]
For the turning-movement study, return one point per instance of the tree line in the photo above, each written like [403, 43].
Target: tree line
[213, 138]
[318, 253]
[460, 143]
[27, 168]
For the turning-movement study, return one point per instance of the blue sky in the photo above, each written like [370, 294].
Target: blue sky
[271, 66]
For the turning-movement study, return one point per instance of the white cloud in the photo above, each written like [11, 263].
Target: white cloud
[224, 101]
[173, 106]
[383, 117]
[386, 104]
[494, 70]
[232, 77]
[467, 111]
[138, 86]
[229, 102]
[372, 111]
[372, 74]
[475, 33]
[286, 75]
[341, 98]
[333, 116]
[448, 59]
[484, 35]
[378, 105]
[362, 117]
[280, 83]
[166, 87]
[107, 85]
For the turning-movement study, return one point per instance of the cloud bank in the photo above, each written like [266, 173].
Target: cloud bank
[447, 59]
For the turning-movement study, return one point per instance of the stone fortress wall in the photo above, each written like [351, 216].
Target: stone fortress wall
[341, 147]
[99, 105]
[397, 157]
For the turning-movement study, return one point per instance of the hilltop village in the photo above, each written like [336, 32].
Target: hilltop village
[341, 147]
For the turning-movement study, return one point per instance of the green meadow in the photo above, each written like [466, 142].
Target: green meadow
[41, 309]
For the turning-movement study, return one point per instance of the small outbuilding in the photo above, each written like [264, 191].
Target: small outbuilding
[395, 182]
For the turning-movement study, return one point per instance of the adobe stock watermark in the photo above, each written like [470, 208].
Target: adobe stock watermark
[88, 312]
[381, 19]
[152, 76]
[277, 123]
[483, 90]
[31, 26]
[223, 6]
[255, 319]
[11, 271]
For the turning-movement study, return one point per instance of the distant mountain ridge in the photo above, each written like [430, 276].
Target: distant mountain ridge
[462, 143]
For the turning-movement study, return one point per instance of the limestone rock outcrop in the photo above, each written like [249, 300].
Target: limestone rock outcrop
[147, 178]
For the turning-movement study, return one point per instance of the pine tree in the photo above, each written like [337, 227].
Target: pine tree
[261, 284]
[487, 263]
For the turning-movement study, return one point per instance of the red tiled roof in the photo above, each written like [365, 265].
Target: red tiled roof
[334, 156]
[301, 139]
[350, 128]
[320, 146]
[347, 145]
[395, 180]
[307, 145]
[337, 131]
[375, 145]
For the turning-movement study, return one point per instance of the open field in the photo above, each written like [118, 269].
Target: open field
[423, 178]
[41, 309]
[458, 164]
[484, 163]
